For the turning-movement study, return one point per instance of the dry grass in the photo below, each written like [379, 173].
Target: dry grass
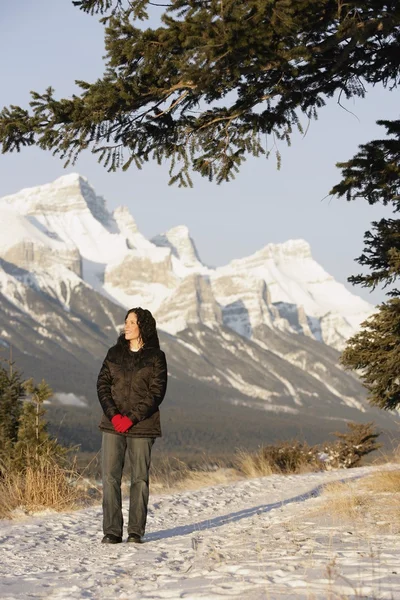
[389, 454]
[194, 480]
[174, 475]
[343, 501]
[373, 501]
[253, 464]
[43, 486]
[199, 479]
[382, 482]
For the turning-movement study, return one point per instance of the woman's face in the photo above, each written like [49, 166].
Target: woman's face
[132, 331]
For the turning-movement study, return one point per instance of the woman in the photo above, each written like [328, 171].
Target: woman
[131, 386]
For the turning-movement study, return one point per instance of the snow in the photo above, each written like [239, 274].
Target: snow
[20, 228]
[70, 399]
[238, 383]
[190, 347]
[150, 294]
[289, 387]
[275, 408]
[255, 539]
[89, 235]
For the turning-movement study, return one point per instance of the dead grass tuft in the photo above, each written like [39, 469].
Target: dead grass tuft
[173, 474]
[382, 482]
[43, 486]
[343, 500]
[253, 464]
[373, 500]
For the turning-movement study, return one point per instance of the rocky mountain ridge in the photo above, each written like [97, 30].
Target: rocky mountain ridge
[280, 285]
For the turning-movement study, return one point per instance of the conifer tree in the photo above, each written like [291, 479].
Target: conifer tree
[373, 174]
[215, 82]
[11, 393]
[34, 441]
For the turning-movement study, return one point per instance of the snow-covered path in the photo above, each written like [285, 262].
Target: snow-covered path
[251, 539]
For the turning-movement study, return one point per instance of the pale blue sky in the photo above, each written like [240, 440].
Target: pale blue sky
[51, 42]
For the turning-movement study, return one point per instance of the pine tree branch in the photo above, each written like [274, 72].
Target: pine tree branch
[254, 65]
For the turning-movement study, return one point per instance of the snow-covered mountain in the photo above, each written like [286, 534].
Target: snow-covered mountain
[281, 285]
[260, 332]
[306, 298]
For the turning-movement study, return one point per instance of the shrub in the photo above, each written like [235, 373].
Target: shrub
[350, 447]
[297, 457]
[283, 457]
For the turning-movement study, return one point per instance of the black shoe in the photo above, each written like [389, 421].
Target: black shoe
[109, 538]
[135, 538]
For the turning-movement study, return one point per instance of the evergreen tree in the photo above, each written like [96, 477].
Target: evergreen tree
[373, 174]
[216, 81]
[11, 393]
[33, 441]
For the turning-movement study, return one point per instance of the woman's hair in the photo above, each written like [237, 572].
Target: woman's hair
[147, 327]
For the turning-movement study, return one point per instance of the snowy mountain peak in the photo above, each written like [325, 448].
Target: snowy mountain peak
[96, 204]
[292, 248]
[181, 244]
[181, 231]
[70, 193]
[124, 220]
[70, 179]
[284, 254]
[134, 239]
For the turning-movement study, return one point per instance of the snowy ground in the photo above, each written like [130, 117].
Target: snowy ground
[257, 539]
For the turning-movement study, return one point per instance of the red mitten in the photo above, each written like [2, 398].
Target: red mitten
[116, 421]
[124, 424]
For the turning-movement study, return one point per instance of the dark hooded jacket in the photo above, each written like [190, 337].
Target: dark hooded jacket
[133, 384]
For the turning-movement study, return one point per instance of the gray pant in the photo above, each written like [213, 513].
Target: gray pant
[113, 450]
